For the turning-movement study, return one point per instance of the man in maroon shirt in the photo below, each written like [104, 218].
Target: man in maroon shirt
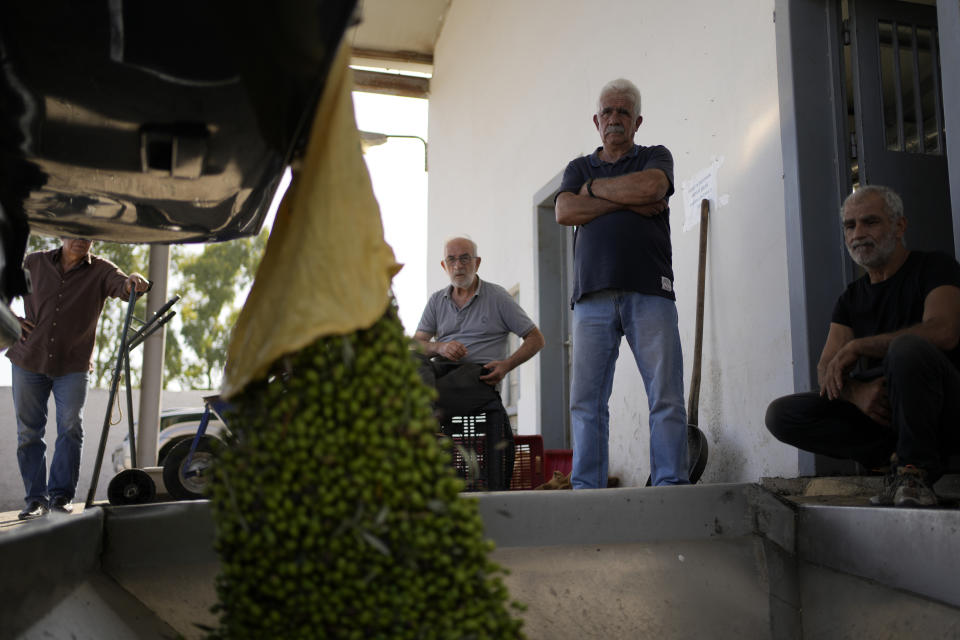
[70, 286]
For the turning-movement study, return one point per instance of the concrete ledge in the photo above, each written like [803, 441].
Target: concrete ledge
[182, 532]
[838, 605]
[643, 514]
[163, 555]
[157, 534]
[914, 550]
[98, 609]
[43, 561]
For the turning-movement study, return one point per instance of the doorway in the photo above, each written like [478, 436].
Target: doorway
[895, 112]
[861, 102]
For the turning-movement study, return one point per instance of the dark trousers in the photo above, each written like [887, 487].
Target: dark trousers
[923, 389]
[460, 396]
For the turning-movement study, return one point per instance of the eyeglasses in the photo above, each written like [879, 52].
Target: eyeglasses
[464, 259]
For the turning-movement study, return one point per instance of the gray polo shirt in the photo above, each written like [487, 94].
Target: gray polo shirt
[482, 325]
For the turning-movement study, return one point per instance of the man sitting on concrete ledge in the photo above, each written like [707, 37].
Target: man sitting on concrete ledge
[888, 374]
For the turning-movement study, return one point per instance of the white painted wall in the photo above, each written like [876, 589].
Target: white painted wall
[514, 89]
[11, 486]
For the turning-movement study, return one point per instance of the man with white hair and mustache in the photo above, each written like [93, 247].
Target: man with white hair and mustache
[623, 286]
[889, 374]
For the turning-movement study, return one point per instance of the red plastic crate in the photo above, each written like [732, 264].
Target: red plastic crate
[557, 460]
[527, 463]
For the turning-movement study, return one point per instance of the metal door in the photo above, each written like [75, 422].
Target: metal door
[899, 113]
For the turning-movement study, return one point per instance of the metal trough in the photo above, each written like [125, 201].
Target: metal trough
[711, 561]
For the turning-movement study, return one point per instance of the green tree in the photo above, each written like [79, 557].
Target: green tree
[131, 259]
[212, 284]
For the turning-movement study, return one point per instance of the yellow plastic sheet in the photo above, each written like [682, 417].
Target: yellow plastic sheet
[326, 269]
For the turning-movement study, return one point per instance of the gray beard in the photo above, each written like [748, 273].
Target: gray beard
[468, 284]
[881, 253]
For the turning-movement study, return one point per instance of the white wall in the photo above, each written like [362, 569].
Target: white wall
[513, 92]
[11, 486]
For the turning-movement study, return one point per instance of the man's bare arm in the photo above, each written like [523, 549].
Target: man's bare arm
[451, 350]
[637, 188]
[532, 343]
[425, 340]
[642, 192]
[940, 325]
[870, 397]
[575, 209]
[838, 336]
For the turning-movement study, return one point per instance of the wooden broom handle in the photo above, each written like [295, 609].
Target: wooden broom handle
[693, 401]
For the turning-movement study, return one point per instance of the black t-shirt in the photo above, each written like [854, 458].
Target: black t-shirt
[897, 302]
[622, 249]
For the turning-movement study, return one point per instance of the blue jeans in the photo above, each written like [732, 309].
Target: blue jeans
[650, 325]
[30, 394]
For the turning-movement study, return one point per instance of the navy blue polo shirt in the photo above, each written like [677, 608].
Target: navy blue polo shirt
[622, 249]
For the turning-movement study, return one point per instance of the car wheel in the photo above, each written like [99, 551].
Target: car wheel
[131, 486]
[188, 483]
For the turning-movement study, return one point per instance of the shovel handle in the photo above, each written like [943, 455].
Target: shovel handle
[693, 401]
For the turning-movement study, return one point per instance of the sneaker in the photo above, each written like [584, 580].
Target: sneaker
[912, 488]
[885, 497]
[33, 510]
[61, 504]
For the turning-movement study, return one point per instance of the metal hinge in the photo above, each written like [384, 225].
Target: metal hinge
[846, 31]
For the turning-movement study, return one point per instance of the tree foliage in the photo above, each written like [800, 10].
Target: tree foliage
[210, 282]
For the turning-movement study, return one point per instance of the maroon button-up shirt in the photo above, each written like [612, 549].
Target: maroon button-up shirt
[64, 308]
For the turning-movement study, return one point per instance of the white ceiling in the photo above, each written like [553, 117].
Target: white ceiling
[399, 34]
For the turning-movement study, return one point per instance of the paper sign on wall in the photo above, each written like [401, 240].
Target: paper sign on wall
[702, 185]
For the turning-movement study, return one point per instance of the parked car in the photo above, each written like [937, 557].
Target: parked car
[176, 426]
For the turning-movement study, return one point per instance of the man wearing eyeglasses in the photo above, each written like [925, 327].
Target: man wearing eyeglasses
[464, 335]
[58, 334]
[623, 286]
[470, 320]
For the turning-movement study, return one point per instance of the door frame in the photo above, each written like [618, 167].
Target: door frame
[554, 258]
[948, 26]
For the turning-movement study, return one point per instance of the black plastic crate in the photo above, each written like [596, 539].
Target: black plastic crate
[483, 449]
